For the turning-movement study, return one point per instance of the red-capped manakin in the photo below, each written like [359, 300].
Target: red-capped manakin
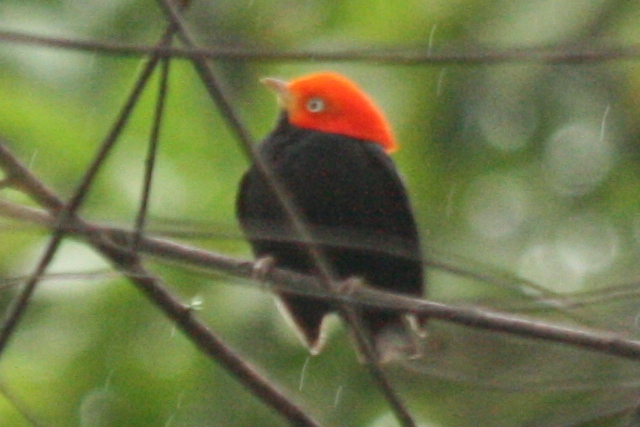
[330, 150]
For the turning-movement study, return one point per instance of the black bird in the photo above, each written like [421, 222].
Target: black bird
[329, 149]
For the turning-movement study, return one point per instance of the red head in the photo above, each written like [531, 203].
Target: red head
[329, 102]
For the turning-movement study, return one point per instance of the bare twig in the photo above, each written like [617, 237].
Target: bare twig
[128, 263]
[152, 150]
[206, 340]
[68, 210]
[362, 338]
[292, 282]
[21, 179]
[450, 55]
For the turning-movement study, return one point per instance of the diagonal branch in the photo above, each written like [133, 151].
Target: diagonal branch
[203, 337]
[68, 210]
[284, 280]
[348, 313]
[152, 150]
[605, 342]
[128, 263]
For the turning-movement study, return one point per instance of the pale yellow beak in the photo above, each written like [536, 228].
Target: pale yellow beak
[281, 88]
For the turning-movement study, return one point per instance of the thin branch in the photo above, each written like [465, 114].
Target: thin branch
[292, 282]
[450, 55]
[284, 280]
[68, 210]
[362, 338]
[13, 167]
[128, 263]
[205, 339]
[21, 178]
[368, 297]
[125, 261]
[152, 150]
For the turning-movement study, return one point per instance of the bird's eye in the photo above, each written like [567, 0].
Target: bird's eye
[315, 105]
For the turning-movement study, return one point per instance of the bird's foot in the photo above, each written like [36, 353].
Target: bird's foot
[397, 343]
[261, 268]
[417, 334]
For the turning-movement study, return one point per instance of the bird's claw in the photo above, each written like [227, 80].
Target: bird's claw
[261, 268]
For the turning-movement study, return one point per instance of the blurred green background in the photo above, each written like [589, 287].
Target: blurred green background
[518, 169]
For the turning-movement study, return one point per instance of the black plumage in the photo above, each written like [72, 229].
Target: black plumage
[355, 205]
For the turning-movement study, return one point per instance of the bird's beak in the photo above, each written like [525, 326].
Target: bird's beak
[281, 88]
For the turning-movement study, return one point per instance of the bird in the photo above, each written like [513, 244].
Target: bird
[330, 151]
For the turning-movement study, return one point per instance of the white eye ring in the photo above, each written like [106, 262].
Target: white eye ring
[315, 105]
